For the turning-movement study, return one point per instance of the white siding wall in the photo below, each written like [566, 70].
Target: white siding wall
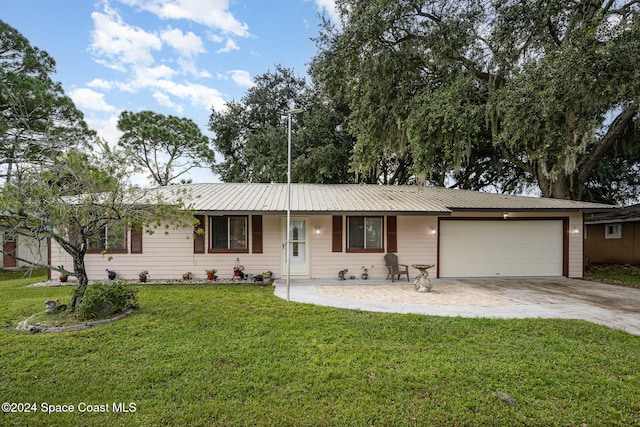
[415, 246]
[168, 256]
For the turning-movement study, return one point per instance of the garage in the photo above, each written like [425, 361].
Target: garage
[482, 248]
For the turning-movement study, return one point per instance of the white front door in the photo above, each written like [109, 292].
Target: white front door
[298, 247]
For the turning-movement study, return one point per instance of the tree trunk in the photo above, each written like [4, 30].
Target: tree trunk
[81, 274]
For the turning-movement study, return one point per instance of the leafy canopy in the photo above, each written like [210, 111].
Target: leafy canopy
[503, 93]
[252, 134]
[37, 119]
[165, 146]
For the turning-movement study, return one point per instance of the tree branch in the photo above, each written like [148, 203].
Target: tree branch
[616, 129]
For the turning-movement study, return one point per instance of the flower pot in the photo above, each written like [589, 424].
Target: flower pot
[210, 276]
[63, 278]
[143, 279]
[111, 274]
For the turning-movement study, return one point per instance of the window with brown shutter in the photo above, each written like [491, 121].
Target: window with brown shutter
[337, 234]
[256, 234]
[136, 240]
[198, 236]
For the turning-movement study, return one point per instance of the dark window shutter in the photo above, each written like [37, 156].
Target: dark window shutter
[256, 234]
[199, 235]
[337, 234]
[392, 234]
[136, 240]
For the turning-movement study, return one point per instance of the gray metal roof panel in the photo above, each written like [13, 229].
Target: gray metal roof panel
[328, 198]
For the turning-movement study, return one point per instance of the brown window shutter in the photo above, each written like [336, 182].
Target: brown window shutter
[337, 234]
[392, 234]
[199, 235]
[136, 240]
[256, 234]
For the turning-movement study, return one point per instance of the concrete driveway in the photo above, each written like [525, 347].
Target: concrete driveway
[614, 306]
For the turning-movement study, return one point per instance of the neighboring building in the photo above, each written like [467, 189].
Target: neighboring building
[613, 237]
[28, 249]
[463, 233]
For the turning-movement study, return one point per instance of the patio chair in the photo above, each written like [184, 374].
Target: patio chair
[391, 260]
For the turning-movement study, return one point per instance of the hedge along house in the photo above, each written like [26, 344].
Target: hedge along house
[336, 227]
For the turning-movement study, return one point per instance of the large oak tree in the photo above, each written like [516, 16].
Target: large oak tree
[508, 93]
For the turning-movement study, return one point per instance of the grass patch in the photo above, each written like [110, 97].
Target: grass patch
[627, 275]
[236, 355]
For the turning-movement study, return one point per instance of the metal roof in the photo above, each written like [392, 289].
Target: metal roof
[351, 198]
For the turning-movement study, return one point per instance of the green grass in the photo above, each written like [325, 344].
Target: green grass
[617, 274]
[235, 355]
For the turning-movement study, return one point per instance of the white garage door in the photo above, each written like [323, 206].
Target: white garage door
[501, 248]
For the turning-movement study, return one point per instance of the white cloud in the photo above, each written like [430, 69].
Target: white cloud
[189, 66]
[87, 99]
[197, 95]
[164, 100]
[121, 43]
[100, 84]
[106, 128]
[188, 45]
[241, 78]
[328, 6]
[228, 47]
[212, 13]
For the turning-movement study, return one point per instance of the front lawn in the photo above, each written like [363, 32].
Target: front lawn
[235, 355]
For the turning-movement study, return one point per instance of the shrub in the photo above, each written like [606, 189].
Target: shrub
[105, 299]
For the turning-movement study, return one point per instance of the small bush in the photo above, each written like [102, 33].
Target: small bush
[105, 299]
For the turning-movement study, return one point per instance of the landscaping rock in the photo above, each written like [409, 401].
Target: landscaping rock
[505, 398]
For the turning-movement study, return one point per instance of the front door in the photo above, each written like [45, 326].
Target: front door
[8, 249]
[299, 247]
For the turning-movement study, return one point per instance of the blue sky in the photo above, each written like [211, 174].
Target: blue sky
[176, 57]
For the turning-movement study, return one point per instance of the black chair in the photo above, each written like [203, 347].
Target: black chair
[391, 260]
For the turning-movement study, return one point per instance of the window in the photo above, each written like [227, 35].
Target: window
[612, 231]
[229, 234]
[112, 238]
[364, 234]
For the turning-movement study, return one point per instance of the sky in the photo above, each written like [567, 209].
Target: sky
[174, 57]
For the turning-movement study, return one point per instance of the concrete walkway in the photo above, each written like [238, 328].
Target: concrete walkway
[510, 298]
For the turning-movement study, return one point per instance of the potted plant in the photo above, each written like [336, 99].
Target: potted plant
[111, 274]
[238, 269]
[143, 275]
[63, 276]
[365, 273]
[211, 273]
[267, 275]
[186, 276]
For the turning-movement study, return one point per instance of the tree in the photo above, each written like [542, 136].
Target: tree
[252, 136]
[537, 92]
[76, 197]
[167, 146]
[36, 118]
